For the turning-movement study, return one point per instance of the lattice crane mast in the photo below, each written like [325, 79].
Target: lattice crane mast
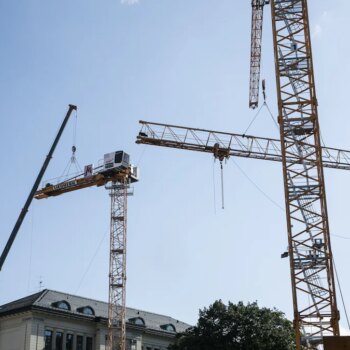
[311, 260]
[255, 51]
[115, 174]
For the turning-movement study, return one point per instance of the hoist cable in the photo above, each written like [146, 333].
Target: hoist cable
[92, 260]
[73, 159]
[222, 186]
[252, 121]
[341, 294]
[75, 128]
[257, 187]
[214, 189]
[271, 115]
[141, 155]
[65, 171]
[339, 236]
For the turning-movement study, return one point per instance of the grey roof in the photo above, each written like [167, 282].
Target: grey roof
[45, 299]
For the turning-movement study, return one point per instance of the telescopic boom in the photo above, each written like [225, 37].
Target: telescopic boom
[34, 189]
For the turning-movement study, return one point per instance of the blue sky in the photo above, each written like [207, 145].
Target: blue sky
[182, 62]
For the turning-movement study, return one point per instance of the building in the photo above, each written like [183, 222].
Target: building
[51, 320]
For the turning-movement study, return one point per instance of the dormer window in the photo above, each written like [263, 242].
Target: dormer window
[86, 310]
[63, 305]
[168, 327]
[139, 321]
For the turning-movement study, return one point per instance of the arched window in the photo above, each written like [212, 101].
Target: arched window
[63, 305]
[139, 321]
[86, 310]
[168, 327]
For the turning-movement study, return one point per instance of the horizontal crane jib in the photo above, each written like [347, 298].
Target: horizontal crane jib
[232, 144]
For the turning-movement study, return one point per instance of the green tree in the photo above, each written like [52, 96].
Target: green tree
[237, 327]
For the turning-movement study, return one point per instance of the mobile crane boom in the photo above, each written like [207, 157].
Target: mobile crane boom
[35, 187]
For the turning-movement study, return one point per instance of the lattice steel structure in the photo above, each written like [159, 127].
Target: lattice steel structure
[308, 232]
[231, 144]
[117, 264]
[311, 263]
[255, 51]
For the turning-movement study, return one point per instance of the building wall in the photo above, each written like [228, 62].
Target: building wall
[65, 326]
[26, 331]
[15, 332]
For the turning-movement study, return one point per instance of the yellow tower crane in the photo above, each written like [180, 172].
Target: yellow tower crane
[316, 316]
[224, 145]
[309, 247]
[115, 174]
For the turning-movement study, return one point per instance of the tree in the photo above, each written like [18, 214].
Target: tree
[237, 327]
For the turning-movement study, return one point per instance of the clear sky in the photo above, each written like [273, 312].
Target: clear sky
[182, 62]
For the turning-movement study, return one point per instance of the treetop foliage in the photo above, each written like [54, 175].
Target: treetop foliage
[237, 327]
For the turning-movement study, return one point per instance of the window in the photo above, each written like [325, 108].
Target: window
[63, 305]
[79, 342]
[86, 310]
[48, 339]
[137, 320]
[168, 327]
[88, 343]
[69, 341]
[118, 157]
[59, 341]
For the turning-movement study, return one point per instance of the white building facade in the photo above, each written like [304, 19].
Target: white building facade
[51, 320]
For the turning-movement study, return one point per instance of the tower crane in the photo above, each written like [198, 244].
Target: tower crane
[309, 247]
[299, 150]
[224, 145]
[115, 174]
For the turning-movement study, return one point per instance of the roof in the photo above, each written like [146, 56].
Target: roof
[45, 299]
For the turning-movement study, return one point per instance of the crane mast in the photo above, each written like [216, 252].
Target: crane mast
[311, 262]
[255, 51]
[118, 192]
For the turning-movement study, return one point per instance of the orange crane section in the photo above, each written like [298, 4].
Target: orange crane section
[81, 182]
